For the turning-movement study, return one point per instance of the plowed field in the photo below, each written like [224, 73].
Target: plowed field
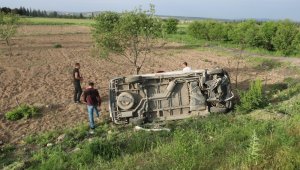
[40, 74]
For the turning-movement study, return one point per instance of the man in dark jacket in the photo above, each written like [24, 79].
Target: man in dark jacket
[92, 98]
[77, 78]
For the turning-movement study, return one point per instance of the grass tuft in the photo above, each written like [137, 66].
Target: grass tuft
[21, 111]
[57, 45]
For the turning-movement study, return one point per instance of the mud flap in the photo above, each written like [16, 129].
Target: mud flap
[197, 99]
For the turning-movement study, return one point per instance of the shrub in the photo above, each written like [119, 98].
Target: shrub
[57, 45]
[199, 30]
[246, 33]
[170, 25]
[20, 112]
[252, 99]
[285, 36]
[218, 31]
[296, 42]
[267, 32]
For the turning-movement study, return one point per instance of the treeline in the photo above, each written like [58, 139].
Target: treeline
[281, 36]
[22, 11]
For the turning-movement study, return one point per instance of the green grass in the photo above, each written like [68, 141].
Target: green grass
[284, 91]
[7, 155]
[291, 107]
[262, 139]
[216, 142]
[264, 63]
[56, 21]
[232, 141]
[287, 101]
[185, 39]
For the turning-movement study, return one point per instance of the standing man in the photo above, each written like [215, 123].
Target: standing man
[77, 78]
[185, 67]
[92, 98]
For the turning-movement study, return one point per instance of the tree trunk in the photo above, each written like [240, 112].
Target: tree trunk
[237, 67]
[137, 70]
[10, 49]
[237, 73]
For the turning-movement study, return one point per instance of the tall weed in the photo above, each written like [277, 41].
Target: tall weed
[252, 99]
[254, 149]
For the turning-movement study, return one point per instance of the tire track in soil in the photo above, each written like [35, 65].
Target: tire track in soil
[11, 87]
[62, 89]
[33, 76]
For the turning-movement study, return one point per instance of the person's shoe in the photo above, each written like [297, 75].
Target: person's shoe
[98, 118]
[91, 131]
[77, 102]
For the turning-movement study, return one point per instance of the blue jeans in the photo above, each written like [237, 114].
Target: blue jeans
[91, 115]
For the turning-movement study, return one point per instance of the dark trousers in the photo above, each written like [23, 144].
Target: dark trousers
[77, 91]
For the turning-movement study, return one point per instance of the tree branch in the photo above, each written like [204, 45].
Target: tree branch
[128, 58]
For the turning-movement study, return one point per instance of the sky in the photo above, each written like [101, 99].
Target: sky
[221, 9]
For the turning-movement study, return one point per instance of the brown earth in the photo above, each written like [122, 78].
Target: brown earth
[39, 74]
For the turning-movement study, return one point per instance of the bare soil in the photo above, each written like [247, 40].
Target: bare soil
[40, 74]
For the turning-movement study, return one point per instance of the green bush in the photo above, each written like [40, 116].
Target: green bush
[209, 30]
[20, 112]
[267, 32]
[218, 31]
[280, 36]
[246, 33]
[57, 45]
[199, 30]
[170, 25]
[296, 42]
[285, 36]
[253, 98]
